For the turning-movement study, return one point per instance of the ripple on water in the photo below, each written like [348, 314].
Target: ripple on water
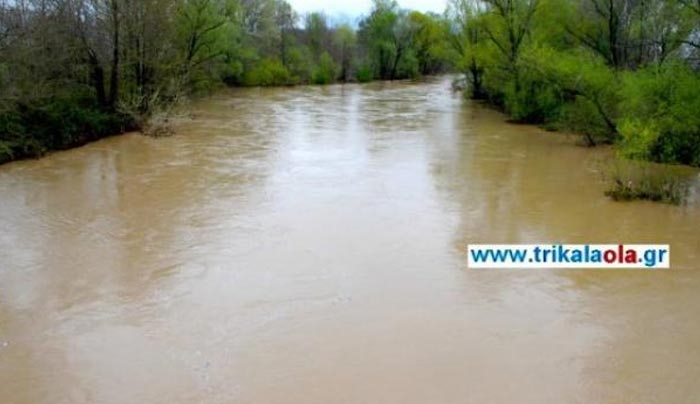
[289, 245]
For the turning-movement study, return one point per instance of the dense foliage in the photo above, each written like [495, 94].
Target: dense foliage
[75, 70]
[616, 71]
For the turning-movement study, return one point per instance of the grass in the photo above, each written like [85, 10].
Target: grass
[631, 180]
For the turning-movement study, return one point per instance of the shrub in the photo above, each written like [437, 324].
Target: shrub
[326, 72]
[269, 72]
[408, 67]
[628, 181]
[535, 101]
[6, 153]
[364, 74]
[56, 124]
[582, 116]
[660, 119]
[637, 138]
[300, 65]
[572, 91]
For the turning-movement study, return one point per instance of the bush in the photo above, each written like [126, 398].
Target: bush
[582, 116]
[660, 120]
[570, 90]
[269, 72]
[326, 72]
[364, 74]
[6, 153]
[408, 67]
[535, 101]
[525, 93]
[300, 65]
[57, 124]
[637, 139]
[629, 181]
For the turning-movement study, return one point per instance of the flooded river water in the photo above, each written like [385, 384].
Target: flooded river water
[308, 245]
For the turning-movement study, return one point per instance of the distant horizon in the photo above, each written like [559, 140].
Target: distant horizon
[349, 12]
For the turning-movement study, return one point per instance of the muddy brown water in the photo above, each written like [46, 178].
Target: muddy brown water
[308, 245]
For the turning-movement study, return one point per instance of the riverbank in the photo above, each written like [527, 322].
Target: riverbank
[32, 131]
[61, 126]
[648, 114]
[252, 263]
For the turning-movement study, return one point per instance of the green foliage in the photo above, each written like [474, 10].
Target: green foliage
[317, 32]
[32, 130]
[238, 67]
[584, 117]
[401, 44]
[364, 74]
[470, 45]
[270, 72]
[628, 181]
[345, 41]
[6, 153]
[299, 64]
[206, 29]
[660, 119]
[378, 36]
[429, 47]
[615, 71]
[612, 71]
[409, 66]
[64, 75]
[532, 100]
[638, 139]
[326, 72]
[577, 92]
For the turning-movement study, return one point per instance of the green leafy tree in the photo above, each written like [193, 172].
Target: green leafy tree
[345, 44]
[326, 72]
[429, 42]
[207, 30]
[386, 35]
[508, 25]
[468, 39]
[317, 33]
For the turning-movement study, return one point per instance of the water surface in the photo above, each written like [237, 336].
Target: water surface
[308, 245]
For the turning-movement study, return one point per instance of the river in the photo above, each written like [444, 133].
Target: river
[308, 245]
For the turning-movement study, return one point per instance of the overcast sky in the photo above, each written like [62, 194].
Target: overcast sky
[355, 8]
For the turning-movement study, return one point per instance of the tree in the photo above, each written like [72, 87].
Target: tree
[345, 42]
[629, 34]
[386, 35]
[510, 23]
[285, 19]
[207, 32]
[467, 37]
[317, 33]
[429, 41]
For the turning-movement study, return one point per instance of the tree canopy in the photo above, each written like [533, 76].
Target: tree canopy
[616, 71]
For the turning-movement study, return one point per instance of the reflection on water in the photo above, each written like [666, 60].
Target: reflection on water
[308, 245]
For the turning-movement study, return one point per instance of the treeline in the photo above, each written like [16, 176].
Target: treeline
[76, 70]
[616, 71]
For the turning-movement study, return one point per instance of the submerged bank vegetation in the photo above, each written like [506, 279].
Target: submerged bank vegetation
[75, 70]
[616, 71]
[631, 180]
[621, 72]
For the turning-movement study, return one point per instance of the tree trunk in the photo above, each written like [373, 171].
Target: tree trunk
[114, 77]
[97, 76]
